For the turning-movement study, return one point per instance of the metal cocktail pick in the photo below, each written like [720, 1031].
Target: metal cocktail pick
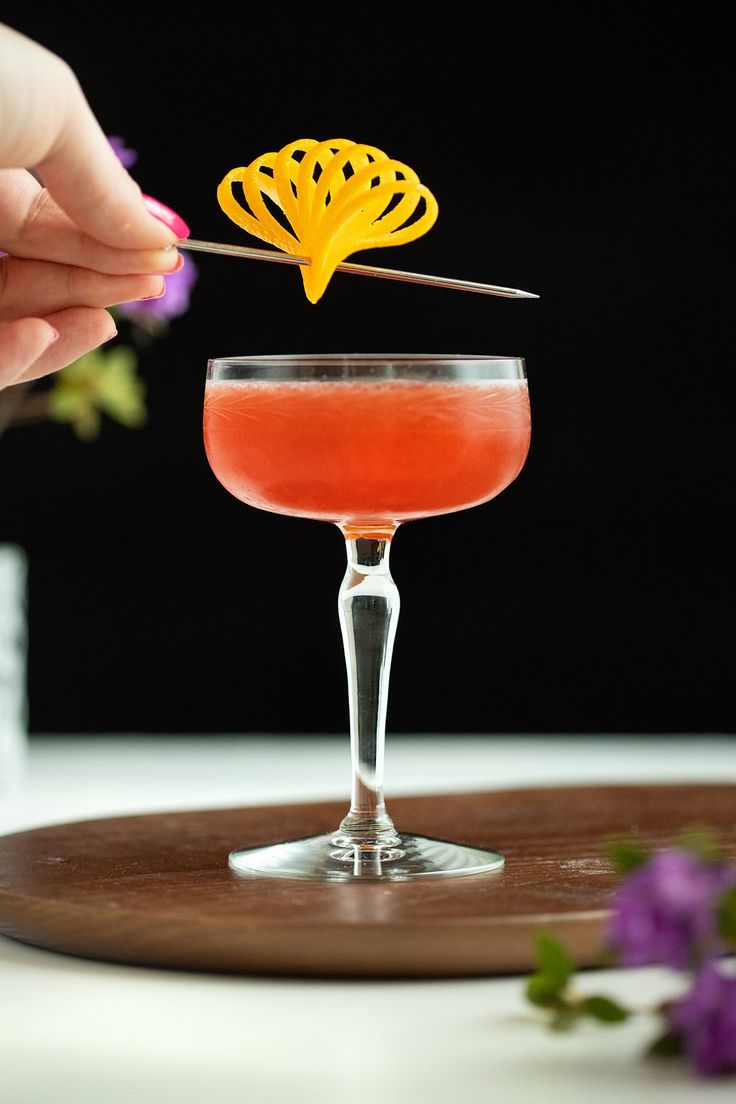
[356, 269]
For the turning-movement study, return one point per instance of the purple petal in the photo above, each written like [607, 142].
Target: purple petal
[706, 1020]
[126, 156]
[172, 304]
[664, 912]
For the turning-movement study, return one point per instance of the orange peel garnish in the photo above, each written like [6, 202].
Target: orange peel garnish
[336, 197]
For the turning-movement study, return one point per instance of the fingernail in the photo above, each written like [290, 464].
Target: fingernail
[176, 266]
[167, 216]
[156, 294]
[54, 336]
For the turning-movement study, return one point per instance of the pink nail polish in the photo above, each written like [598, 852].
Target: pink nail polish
[167, 216]
[156, 294]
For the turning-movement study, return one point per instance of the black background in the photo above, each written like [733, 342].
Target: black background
[590, 163]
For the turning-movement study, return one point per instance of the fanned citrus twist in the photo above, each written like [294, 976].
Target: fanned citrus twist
[334, 197]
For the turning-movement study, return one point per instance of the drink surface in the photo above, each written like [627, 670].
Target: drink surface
[366, 454]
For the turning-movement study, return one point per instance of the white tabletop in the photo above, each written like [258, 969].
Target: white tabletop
[82, 1031]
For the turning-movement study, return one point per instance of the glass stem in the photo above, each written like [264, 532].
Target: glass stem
[369, 609]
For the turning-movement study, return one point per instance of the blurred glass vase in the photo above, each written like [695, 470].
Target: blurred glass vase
[13, 666]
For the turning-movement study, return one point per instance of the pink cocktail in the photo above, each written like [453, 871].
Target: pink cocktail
[366, 454]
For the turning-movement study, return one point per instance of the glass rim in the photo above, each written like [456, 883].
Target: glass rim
[372, 358]
[375, 366]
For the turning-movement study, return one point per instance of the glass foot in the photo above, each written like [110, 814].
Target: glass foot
[327, 859]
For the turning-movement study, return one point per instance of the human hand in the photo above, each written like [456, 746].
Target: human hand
[78, 234]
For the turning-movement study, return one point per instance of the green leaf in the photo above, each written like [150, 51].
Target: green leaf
[553, 960]
[702, 842]
[727, 916]
[604, 1009]
[99, 382]
[121, 392]
[669, 1045]
[544, 991]
[627, 856]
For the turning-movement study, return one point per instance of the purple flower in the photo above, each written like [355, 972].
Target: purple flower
[150, 313]
[665, 911]
[127, 156]
[705, 1020]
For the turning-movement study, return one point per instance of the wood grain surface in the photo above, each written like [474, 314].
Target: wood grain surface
[155, 890]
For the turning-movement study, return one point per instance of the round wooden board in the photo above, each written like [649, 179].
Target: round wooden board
[156, 890]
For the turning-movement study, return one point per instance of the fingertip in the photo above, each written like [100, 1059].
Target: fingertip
[22, 342]
[108, 327]
[176, 265]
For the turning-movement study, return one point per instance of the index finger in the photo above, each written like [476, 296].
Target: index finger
[49, 125]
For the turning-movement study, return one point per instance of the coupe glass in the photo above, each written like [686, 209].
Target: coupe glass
[366, 442]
